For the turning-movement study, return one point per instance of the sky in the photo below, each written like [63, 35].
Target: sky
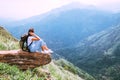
[20, 9]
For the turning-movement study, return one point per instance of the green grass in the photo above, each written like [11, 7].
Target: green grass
[55, 69]
[59, 73]
[73, 69]
[7, 41]
[8, 72]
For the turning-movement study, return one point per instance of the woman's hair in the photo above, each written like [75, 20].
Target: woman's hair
[30, 30]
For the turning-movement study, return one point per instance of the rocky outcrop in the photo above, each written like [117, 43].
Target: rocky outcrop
[24, 60]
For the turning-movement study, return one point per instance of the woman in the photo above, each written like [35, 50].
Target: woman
[35, 43]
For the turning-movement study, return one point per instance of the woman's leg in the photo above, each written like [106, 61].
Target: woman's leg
[44, 47]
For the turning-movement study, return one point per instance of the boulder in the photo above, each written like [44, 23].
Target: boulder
[24, 60]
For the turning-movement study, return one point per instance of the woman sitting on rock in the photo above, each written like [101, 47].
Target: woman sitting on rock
[36, 44]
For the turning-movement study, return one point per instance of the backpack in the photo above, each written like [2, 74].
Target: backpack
[23, 42]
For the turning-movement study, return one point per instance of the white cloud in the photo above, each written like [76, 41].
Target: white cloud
[111, 5]
[26, 8]
[19, 9]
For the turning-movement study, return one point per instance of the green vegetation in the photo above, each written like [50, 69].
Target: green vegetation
[55, 69]
[59, 73]
[73, 69]
[111, 70]
[7, 41]
[110, 73]
[98, 54]
[8, 72]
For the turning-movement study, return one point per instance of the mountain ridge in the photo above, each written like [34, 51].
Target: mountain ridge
[97, 53]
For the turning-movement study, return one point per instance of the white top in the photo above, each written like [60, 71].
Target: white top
[29, 40]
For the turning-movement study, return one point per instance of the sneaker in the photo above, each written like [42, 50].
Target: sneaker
[45, 51]
[50, 51]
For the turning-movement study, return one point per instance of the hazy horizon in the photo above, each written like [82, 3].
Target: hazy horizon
[21, 9]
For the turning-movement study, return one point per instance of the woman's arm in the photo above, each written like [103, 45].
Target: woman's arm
[36, 37]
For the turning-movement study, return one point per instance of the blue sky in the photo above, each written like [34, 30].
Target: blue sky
[20, 9]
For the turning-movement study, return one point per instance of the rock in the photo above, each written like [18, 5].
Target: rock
[24, 60]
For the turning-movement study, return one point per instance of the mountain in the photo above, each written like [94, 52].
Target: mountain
[66, 26]
[98, 54]
[56, 70]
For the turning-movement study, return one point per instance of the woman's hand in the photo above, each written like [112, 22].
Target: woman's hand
[36, 37]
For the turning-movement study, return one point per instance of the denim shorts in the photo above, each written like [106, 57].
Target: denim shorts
[36, 45]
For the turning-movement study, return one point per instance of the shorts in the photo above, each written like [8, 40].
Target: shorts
[36, 46]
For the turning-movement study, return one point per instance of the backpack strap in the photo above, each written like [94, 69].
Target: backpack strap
[30, 43]
[28, 46]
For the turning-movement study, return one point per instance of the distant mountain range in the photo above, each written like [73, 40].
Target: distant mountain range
[65, 26]
[98, 54]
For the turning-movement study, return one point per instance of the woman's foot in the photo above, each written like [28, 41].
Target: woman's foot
[45, 51]
[50, 51]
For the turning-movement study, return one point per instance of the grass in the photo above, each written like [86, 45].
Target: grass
[73, 69]
[7, 41]
[57, 72]
[8, 72]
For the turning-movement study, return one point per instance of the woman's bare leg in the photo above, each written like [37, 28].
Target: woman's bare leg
[44, 48]
[47, 49]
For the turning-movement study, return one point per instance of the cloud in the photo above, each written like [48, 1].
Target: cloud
[25, 8]
[19, 9]
[111, 5]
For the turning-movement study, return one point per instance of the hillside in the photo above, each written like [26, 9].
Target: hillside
[56, 70]
[63, 27]
[98, 54]
[7, 41]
